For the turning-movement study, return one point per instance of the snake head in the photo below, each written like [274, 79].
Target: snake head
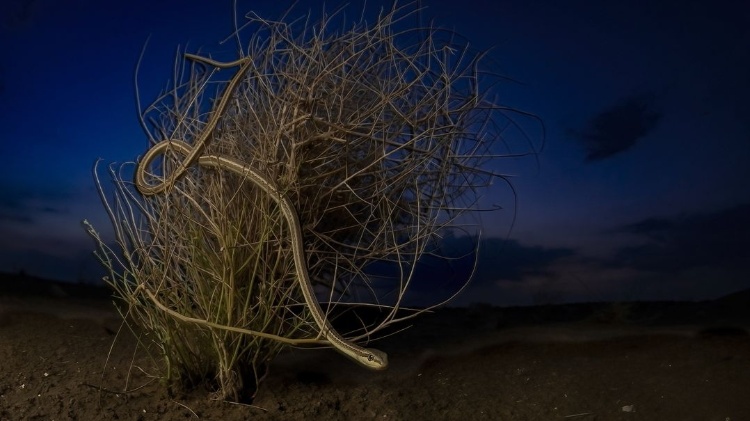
[375, 359]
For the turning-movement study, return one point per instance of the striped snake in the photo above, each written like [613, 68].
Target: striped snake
[370, 358]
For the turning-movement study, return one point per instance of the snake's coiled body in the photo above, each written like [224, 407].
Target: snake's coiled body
[370, 358]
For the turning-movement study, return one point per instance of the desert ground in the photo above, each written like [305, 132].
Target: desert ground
[609, 361]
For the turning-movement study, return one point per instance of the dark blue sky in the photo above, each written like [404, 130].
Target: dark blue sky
[640, 192]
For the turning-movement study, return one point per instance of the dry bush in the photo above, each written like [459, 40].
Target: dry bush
[380, 140]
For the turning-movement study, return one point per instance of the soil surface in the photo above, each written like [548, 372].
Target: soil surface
[637, 361]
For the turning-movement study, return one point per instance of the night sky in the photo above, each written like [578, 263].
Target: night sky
[640, 191]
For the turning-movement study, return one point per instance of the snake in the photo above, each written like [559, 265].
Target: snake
[367, 357]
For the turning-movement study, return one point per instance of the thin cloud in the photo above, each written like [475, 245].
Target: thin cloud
[53, 210]
[16, 218]
[21, 203]
[499, 260]
[618, 128]
[19, 14]
[672, 245]
[509, 260]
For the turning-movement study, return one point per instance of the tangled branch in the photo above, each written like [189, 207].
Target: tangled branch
[379, 141]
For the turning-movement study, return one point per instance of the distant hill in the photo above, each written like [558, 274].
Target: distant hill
[732, 306]
[19, 284]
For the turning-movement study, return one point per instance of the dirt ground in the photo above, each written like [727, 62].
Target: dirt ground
[655, 361]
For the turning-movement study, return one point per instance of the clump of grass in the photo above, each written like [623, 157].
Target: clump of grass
[379, 139]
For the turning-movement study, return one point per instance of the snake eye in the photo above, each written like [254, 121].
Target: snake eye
[370, 358]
